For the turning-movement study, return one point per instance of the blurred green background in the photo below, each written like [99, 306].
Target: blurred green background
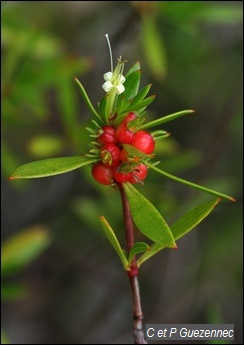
[71, 288]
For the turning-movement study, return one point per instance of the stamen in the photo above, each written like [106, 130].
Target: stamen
[110, 53]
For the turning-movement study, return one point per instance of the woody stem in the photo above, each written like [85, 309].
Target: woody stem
[139, 337]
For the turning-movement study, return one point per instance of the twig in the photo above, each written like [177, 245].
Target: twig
[138, 330]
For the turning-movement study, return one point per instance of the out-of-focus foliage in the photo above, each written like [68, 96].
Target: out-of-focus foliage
[194, 60]
[35, 69]
[4, 338]
[17, 252]
[22, 248]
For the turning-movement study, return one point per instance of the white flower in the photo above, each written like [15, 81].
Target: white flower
[113, 81]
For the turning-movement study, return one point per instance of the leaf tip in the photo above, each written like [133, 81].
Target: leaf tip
[175, 246]
[10, 178]
[229, 198]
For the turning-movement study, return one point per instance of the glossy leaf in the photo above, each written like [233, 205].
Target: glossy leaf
[135, 67]
[51, 167]
[141, 94]
[182, 226]
[138, 247]
[120, 103]
[147, 218]
[191, 184]
[103, 107]
[114, 241]
[141, 104]
[23, 248]
[131, 84]
[166, 118]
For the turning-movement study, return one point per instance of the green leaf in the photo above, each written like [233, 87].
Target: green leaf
[191, 184]
[22, 248]
[114, 241]
[119, 110]
[140, 105]
[103, 107]
[135, 67]
[135, 152]
[183, 225]
[141, 94]
[51, 167]
[167, 118]
[87, 99]
[131, 84]
[160, 134]
[138, 247]
[191, 219]
[120, 103]
[147, 218]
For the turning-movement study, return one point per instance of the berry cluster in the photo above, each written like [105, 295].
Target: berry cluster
[116, 163]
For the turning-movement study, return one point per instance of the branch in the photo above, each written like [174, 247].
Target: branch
[138, 330]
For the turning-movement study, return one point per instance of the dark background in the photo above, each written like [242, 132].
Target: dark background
[77, 290]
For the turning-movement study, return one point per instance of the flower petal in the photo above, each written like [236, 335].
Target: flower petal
[121, 79]
[119, 89]
[107, 76]
[107, 86]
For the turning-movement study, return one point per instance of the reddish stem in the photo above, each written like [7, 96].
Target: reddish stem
[129, 226]
[138, 330]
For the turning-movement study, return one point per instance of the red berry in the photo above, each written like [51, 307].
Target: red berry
[120, 176]
[102, 174]
[139, 174]
[123, 134]
[143, 141]
[108, 136]
[110, 155]
[130, 117]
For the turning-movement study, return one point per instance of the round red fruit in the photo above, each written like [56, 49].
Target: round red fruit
[102, 174]
[110, 155]
[143, 141]
[130, 117]
[123, 134]
[139, 174]
[108, 136]
[120, 176]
